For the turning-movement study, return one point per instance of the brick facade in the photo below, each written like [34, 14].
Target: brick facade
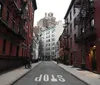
[16, 28]
[82, 31]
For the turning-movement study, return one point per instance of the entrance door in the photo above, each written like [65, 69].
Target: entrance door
[94, 63]
[71, 60]
[17, 51]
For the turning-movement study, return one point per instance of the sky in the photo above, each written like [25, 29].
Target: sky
[58, 7]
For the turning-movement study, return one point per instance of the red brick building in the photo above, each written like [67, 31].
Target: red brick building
[61, 48]
[82, 34]
[64, 48]
[16, 31]
[97, 26]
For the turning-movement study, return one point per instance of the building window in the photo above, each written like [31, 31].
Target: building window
[48, 32]
[71, 42]
[75, 56]
[53, 48]
[48, 40]
[74, 10]
[67, 31]
[82, 30]
[10, 49]
[13, 24]
[92, 23]
[47, 49]
[70, 28]
[0, 10]
[53, 35]
[26, 27]
[22, 52]
[53, 43]
[7, 17]
[70, 15]
[53, 53]
[19, 28]
[42, 37]
[46, 45]
[91, 0]
[74, 37]
[53, 30]
[48, 36]
[49, 44]
[53, 39]
[4, 46]
[83, 55]
[67, 40]
[75, 26]
[17, 51]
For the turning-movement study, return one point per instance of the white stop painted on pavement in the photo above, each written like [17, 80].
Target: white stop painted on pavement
[46, 78]
[53, 78]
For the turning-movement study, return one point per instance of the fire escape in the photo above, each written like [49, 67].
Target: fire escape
[89, 31]
[77, 22]
[66, 35]
[19, 11]
[86, 31]
[24, 18]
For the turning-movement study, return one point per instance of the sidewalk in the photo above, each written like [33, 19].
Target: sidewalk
[10, 77]
[84, 75]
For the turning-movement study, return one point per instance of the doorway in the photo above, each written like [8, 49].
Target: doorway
[93, 59]
[17, 51]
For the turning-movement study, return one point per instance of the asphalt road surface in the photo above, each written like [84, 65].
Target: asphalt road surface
[48, 73]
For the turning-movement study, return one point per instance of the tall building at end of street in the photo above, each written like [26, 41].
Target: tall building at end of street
[47, 31]
[48, 21]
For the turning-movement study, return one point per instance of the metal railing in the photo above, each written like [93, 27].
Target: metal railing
[78, 39]
[77, 3]
[77, 20]
[90, 32]
[14, 4]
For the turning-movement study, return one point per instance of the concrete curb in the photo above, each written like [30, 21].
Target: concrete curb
[75, 76]
[24, 74]
[72, 74]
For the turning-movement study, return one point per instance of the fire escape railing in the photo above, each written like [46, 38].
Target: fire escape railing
[86, 14]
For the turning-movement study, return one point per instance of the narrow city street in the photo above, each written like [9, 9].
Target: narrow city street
[37, 34]
[48, 73]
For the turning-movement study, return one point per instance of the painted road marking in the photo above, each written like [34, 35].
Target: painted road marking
[46, 78]
[61, 78]
[51, 78]
[38, 78]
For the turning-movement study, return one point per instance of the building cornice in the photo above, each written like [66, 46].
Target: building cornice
[34, 4]
[70, 6]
